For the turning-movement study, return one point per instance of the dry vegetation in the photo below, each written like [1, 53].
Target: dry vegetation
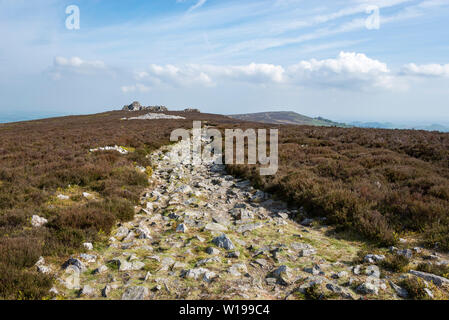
[378, 183]
[40, 159]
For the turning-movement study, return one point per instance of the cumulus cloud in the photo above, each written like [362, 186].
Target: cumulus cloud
[426, 70]
[75, 65]
[347, 70]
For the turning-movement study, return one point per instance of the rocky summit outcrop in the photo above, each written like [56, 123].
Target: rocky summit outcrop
[136, 106]
[192, 110]
[200, 233]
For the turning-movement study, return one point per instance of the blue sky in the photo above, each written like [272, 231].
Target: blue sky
[319, 58]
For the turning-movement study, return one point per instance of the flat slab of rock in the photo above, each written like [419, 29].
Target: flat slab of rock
[135, 293]
[437, 280]
[249, 227]
[215, 227]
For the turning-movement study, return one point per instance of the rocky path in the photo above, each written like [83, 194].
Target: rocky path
[202, 234]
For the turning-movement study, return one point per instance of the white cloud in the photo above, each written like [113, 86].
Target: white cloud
[138, 87]
[347, 71]
[77, 62]
[76, 65]
[426, 70]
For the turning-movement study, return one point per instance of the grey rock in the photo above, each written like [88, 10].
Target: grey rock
[89, 258]
[429, 292]
[307, 252]
[307, 222]
[340, 275]
[401, 292]
[100, 269]
[372, 271]
[121, 233]
[43, 269]
[143, 233]
[334, 288]
[181, 228]
[373, 258]
[301, 246]
[105, 291]
[249, 227]
[237, 268]
[283, 274]
[197, 273]
[215, 227]
[135, 293]
[207, 260]
[223, 241]
[87, 291]
[406, 253]
[356, 269]
[315, 270]
[368, 288]
[261, 262]
[233, 254]
[212, 251]
[437, 280]
[74, 262]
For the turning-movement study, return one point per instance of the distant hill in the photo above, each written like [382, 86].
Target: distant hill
[286, 117]
[389, 125]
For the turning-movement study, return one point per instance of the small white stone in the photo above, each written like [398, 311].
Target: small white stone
[88, 246]
[37, 221]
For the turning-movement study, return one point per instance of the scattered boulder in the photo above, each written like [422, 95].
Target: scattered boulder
[212, 226]
[401, 292]
[212, 251]
[135, 293]
[307, 252]
[196, 273]
[182, 228]
[237, 268]
[105, 291]
[373, 258]
[74, 262]
[249, 227]
[224, 242]
[307, 222]
[121, 233]
[437, 280]
[87, 291]
[37, 221]
[372, 271]
[315, 270]
[283, 274]
[406, 253]
[368, 288]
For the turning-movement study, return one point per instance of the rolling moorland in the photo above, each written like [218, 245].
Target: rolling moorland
[366, 189]
[286, 117]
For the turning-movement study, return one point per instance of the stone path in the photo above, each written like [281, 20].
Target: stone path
[202, 234]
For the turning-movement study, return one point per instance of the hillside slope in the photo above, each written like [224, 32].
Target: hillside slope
[286, 117]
